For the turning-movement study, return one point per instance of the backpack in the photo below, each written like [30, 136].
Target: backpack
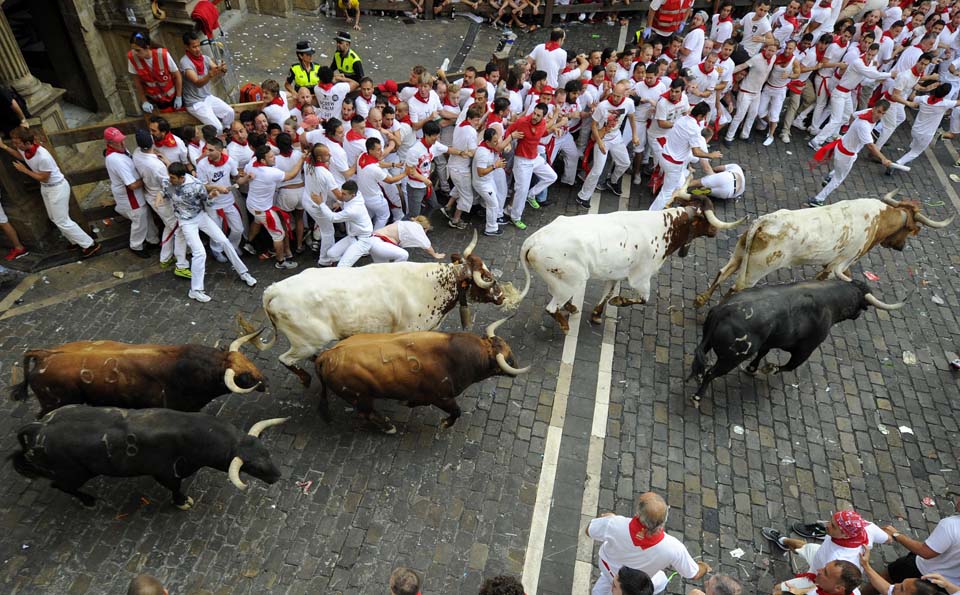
[250, 93]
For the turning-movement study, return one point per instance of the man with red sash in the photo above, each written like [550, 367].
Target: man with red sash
[264, 179]
[641, 543]
[156, 78]
[127, 188]
[845, 149]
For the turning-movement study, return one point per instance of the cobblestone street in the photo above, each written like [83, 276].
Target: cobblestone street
[607, 407]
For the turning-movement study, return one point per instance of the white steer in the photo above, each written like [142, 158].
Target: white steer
[614, 246]
[834, 237]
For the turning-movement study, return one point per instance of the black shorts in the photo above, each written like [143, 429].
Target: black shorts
[903, 568]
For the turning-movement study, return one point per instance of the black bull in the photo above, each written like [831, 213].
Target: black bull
[794, 317]
[76, 443]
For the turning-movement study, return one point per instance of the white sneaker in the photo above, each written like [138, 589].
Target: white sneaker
[768, 141]
[199, 296]
[785, 138]
[248, 279]
[219, 256]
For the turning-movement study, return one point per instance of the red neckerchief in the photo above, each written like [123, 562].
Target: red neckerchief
[333, 139]
[489, 148]
[195, 143]
[110, 150]
[811, 577]
[199, 64]
[772, 58]
[366, 159]
[793, 21]
[931, 100]
[423, 142]
[326, 86]
[287, 154]
[493, 118]
[422, 100]
[464, 123]
[673, 75]
[819, 53]
[655, 83]
[168, 141]
[647, 541]
[617, 104]
[666, 52]
[869, 118]
[351, 135]
[241, 143]
[278, 100]
[888, 34]
[272, 142]
[914, 70]
[841, 45]
[223, 159]
[566, 69]
[667, 97]
[782, 59]
[701, 27]
[551, 45]
[702, 69]
[258, 163]
[952, 29]
[728, 19]
[393, 100]
[447, 102]
[370, 126]
[806, 16]
[32, 150]
[406, 120]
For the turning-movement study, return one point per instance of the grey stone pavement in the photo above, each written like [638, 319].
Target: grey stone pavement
[457, 504]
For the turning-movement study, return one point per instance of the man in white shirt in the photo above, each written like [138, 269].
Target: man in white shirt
[127, 189]
[691, 51]
[899, 90]
[166, 143]
[608, 141]
[275, 106]
[550, 57]
[642, 544]
[389, 243]
[487, 161]
[153, 172]
[721, 28]
[802, 93]
[218, 168]
[757, 29]
[330, 91]
[36, 162]
[459, 155]
[418, 162]
[319, 187]
[424, 105]
[670, 106]
[930, 111]
[371, 177]
[198, 71]
[351, 210]
[748, 101]
[684, 143]
[723, 181]
[264, 180]
[785, 67]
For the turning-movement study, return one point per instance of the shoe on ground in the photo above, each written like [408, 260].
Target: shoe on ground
[16, 253]
[637, 179]
[584, 204]
[248, 279]
[249, 249]
[499, 232]
[185, 273]
[532, 201]
[446, 213]
[219, 256]
[888, 171]
[785, 139]
[614, 188]
[768, 141]
[815, 203]
[166, 264]
[810, 530]
[141, 253]
[90, 250]
[519, 224]
[545, 203]
[728, 142]
[286, 264]
[199, 296]
[502, 220]
[774, 536]
[457, 224]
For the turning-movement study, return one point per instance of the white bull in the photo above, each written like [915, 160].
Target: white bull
[834, 237]
[614, 246]
[327, 304]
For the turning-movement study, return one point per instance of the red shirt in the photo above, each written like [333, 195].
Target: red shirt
[527, 146]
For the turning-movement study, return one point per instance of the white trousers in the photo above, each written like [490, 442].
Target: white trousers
[227, 216]
[324, 230]
[488, 198]
[673, 176]
[381, 251]
[771, 102]
[747, 106]
[462, 187]
[198, 263]
[621, 161]
[842, 164]
[142, 227]
[523, 171]
[350, 249]
[892, 118]
[721, 184]
[378, 209]
[567, 147]
[172, 242]
[56, 200]
[214, 111]
[918, 142]
[841, 108]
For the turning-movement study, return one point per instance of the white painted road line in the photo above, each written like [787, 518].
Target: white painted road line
[622, 42]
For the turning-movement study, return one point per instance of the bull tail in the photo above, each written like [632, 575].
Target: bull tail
[324, 408]
[524, 260]
[741, 281]
[24, 467]
[700, 354]
[18, 392]
[248, 328]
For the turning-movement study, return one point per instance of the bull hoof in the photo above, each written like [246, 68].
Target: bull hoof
[447, 423]
[751, 370]
[695, 401]
[770, 369]
[701, 300]
[187, 505]
[596, 318]
[390, 430]
[561, 320]
[569, 307]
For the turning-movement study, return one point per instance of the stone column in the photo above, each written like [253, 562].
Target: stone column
[41, 98]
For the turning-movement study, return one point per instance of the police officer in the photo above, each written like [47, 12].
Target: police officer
[346, 60]
[304, 72]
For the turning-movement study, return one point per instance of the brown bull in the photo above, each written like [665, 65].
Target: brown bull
[419, 368]
[109, 373]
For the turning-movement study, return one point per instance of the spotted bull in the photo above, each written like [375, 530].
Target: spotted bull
[795, 317]
[76, 443]
[181, 377]
[615, 246]
[833, 237]
[320, 305]
[419, 368]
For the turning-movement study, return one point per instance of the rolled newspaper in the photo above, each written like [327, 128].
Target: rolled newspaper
[899, 167]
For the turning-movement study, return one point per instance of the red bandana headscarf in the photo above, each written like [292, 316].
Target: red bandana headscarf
[853, 525]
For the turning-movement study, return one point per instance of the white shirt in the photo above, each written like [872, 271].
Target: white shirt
[363, 106]
[821, 15]
[644, 111]
[330, 100]
[830, 551]
[338, 157]
[760, 69]
[858, 135]
[549, 61]
[856, 72]
[176, 153]
[780, 75]
[693, 42]
[243, 154]
[483, 159]
[412, 235]
[275, 113]
[704, 82]
[369, 179]
[929, 115]
[784, 31]
[420, 157]
[618, 550]
[419, 110]
[286, 163]
[317, 180]
[808, 59]
[43, 161]
[720, 32]
[750, 29]
[354, 146]
[464, 139]
[682, 139]
[152, 171]
[946, 540]
[208, 173]
[263, 186]
[122, 173]
[891, 15]
[354, 213]
[668, 112]
[610, 116]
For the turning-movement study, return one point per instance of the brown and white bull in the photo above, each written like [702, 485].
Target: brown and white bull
[109, 373]
[419, 368]
[321, 305]
[615, 246]
[834, 237]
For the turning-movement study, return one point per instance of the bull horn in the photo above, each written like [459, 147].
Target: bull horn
[260, 426]
[878, 304]
[931, 223]
[508, 368]
[229, 379]
[478, 279]
[888, 198]
[473, 244]
[843, 276]
[492, 329]
[234, 473]
[714, 221]
[235, 346]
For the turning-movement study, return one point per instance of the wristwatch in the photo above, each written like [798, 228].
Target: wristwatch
[894, 536]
